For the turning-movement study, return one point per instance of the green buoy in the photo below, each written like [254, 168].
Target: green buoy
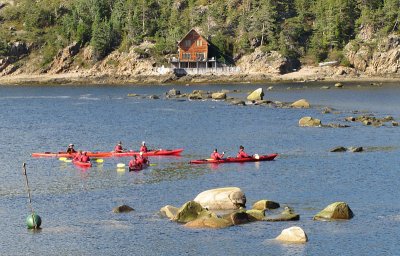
[33, 221]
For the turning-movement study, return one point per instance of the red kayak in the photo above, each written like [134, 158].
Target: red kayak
[138, 168]
[159, 152]
[254, 158]
[82, 164]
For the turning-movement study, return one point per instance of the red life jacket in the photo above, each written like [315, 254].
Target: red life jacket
[77, 157]
[216, 156]
[143, 149]
[132, 163]
[118, 149]
[85, 159]
[242, 154]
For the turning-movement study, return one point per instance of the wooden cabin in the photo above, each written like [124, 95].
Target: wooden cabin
[193, 52]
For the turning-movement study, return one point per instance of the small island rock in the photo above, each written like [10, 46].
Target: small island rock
[335, 211]
[293, 235]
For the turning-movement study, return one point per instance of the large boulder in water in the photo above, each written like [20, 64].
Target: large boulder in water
[218, 96]
[265, 204]
[293, 235]
[309, 122]
[300, 104]
[209, 222]
[256, 95]
[287, 215]
[169, 211]
[256, 214]
[335, 211]
[228, 198]
[191, 211]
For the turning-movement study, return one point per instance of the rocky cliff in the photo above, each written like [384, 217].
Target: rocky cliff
[373, 56]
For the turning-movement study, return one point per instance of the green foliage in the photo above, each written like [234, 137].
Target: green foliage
[102, 38]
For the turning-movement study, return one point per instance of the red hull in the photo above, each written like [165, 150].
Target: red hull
[235, 160]
[161, 152]
[82, 164]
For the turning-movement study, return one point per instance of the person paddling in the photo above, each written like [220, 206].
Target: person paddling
[143, 148]
[85, 158]
[78, 156]
[118, 148]
[70, 149]
[134, 164]
[217, 156]
[142, 159]
[241, 153]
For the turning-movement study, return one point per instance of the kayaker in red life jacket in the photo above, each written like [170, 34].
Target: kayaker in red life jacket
[118, 148]
[143, 148]
[134, 163]
[142, 159]
[241, 153]
[217, 156]
[78, 156]
[85, 158]
[70, 149]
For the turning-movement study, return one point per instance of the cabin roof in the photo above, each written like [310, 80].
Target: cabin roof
[183, 38]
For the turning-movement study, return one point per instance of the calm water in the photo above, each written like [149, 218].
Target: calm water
[75, 205]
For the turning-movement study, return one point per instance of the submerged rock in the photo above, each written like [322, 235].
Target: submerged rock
[309, 122]
[300, 104]
[338, 85]
[228, 198]
[122, 209]
[356, 149]
[338, 149]
[209, 222]
[335, 211]
[169, 211]
[293, 235]
[288, 214]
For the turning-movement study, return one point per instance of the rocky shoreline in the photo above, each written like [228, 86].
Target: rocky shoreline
[306, 74]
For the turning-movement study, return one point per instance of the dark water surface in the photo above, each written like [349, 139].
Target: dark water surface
[75, 205]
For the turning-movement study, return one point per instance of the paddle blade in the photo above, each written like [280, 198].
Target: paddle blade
[99, 160]
[68, 161]
[62, 159]
[153, 164]
[256, 156]
[121, 165]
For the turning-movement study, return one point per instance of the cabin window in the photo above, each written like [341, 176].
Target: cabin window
[188, 43]
[200, 56]
[199, 43]
[186, 56]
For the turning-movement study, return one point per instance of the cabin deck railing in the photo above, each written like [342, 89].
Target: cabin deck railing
[198, 71]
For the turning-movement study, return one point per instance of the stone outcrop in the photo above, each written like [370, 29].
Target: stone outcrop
[169, 211]
[309, 122]
[265, 62]
[287, 214]
[122, 209]
[293, 235]
[356, 149]
[218, 96]
[228, 198]
[381, 60]
[265, 204]
[210, 222]
[335, 211]
[64, 58]
[339, 149]
[18, 49]
[256, 95]
[300, 104]
[191, 211]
